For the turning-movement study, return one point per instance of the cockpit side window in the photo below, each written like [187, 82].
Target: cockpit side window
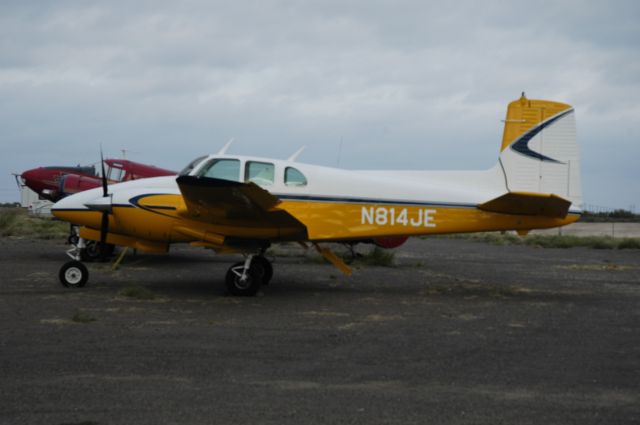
[260, 173]
[186, 170]
[224, 169]
[293, 177]
[115, 174]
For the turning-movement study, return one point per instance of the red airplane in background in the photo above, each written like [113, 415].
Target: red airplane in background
[56, 182]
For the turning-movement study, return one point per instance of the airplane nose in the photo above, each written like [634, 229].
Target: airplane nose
[28, 175]
[35, 179]
[66, 204]
[102, 204]
[73, 210]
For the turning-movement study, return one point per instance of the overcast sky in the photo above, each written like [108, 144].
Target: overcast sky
[363, 84]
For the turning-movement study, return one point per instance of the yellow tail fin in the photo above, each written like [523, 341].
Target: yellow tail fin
[539, 152]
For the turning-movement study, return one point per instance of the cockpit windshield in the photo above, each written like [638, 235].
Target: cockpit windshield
[193, 164]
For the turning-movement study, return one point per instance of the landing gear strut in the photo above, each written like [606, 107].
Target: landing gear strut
[74, 274]
[87, 251]
[244, 278]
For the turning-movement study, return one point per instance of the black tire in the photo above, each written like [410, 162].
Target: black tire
[96, 251]
[73, 274]
[265, 266]
[247, 288]
[108, 250]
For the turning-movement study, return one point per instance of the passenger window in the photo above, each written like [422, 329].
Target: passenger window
[224, 169]
[260, 173]
[293, 177]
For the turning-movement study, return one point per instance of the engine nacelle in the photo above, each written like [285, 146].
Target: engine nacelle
[73, 183]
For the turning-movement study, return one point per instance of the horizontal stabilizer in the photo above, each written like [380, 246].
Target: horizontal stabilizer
[524, 203]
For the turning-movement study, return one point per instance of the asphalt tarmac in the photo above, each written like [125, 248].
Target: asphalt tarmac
[459, 332]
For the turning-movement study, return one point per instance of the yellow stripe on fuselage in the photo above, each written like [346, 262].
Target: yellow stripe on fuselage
[161, 220]
[334, 220]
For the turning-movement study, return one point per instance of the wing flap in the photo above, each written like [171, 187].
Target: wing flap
[525, 203]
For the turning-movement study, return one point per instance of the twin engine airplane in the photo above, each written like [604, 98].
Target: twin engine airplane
[244, 204]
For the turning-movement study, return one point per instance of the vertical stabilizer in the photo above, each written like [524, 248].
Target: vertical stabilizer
[539, 152]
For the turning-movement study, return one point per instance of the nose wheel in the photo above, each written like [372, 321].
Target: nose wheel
[73, 274]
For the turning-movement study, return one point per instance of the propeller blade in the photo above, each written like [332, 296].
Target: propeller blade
[104, 227]
[104, 175]
[104, 230]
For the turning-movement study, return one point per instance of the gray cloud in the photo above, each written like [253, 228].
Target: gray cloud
[402, 84]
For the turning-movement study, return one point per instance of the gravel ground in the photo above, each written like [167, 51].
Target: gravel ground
[458, 332]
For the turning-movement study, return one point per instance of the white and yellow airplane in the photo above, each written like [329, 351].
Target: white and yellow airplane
[244, 204]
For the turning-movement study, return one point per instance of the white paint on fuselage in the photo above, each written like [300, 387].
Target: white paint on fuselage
[437, 187]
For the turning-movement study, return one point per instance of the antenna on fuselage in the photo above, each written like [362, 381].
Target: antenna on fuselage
[124, 152]
[225, 147]
[296, 154]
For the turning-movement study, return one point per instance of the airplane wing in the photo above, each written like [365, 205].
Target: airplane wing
[229, 203]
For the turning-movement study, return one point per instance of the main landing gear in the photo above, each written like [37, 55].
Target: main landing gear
[244, 278]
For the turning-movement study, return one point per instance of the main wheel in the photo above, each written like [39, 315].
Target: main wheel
[265, 266]
[246, 287]
[95, 251]
[73, 274]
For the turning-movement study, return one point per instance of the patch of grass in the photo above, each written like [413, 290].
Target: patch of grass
[603, 267]
[552, 241]
[568, 241]
[615, 216]
[629, 243]
[82, 317]
[378, 257]
[8, 219]
[17, 222]
[477, 290]
[315, 258]
[138, 293]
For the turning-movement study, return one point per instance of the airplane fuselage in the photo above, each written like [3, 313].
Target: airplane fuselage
[333, 204]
